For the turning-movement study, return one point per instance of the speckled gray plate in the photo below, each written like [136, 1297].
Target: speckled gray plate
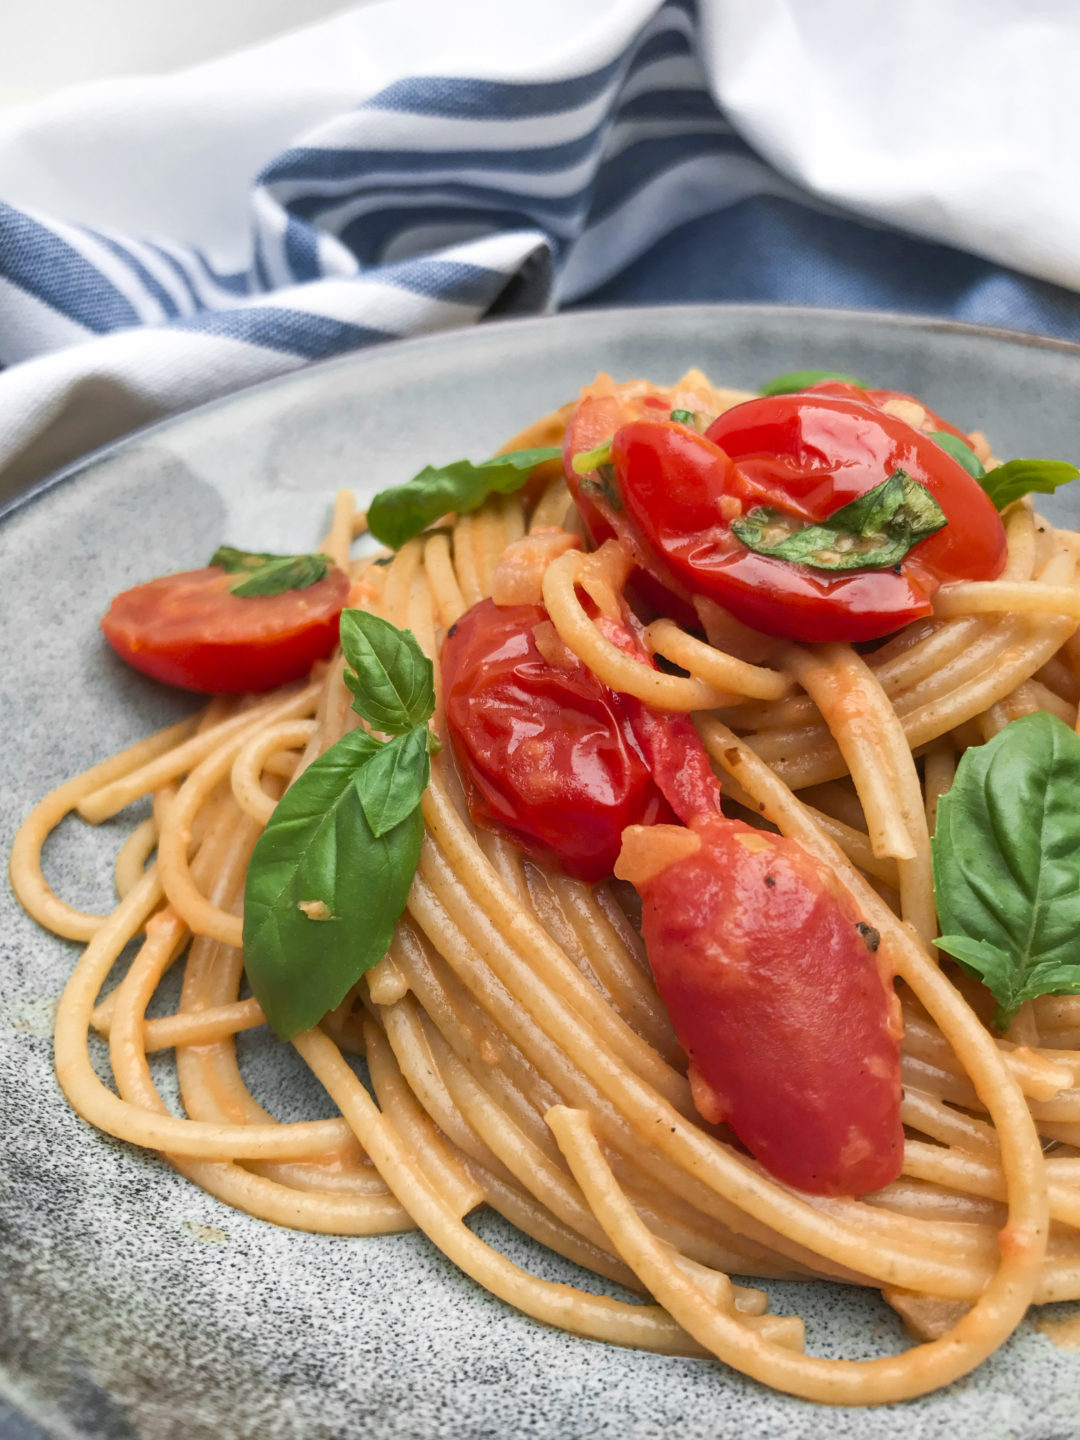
[133, 1304]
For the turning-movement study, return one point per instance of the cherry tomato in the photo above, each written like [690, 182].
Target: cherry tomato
[806, 456]
[669, 743]
[546, 750]
[190, 630]
[818, 454]
[791, 1030]
[594, 421]
[895, 402]
[774, 992]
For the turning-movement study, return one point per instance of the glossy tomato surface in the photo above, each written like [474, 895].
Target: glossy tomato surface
[805, 456]
[897, 402]
[771, 983]
[815, 454]
[775, 993]
[547, 751]
[191, 631]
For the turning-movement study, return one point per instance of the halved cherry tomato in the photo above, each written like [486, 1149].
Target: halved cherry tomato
[677, 492]
[547, 751]
[768, 974]
[190, 630]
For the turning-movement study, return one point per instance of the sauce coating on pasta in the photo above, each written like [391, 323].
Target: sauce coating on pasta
[520, 1054]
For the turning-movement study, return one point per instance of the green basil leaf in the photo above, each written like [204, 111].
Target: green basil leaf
[803, 379]
[240, 561]
[288, 572]
[399, 513]
[323, 892]
[270, 574]
[874, 532]
[695, 419]
[391, 783]
[392, 680]
[960, 451]
[1006, 860]
[1008, 482]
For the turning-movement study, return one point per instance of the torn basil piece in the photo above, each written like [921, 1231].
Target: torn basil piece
[874, 532]
[265, 574]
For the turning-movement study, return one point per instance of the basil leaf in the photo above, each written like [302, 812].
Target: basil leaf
[288, 572]
[392, 680]
[803, 379]
[391, 783]
[323, 892]
[874, 532]
[234, 560]
[1006, 860]
[270, 574]
[960, 451]
[399, 513]
[684, 417]
[1008, 482]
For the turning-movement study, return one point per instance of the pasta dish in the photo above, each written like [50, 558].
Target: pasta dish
[674, 814]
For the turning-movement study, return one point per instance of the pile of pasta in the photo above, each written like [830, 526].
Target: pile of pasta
[519, 1056]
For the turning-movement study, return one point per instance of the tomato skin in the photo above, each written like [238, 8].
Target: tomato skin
[930, 423]
[191, 631]
[547, 752]
[817, 453]
[596, 420]
[807, 456]
[673, 483]
[791, 1031]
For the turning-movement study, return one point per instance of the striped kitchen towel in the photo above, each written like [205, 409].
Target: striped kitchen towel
[414, 166]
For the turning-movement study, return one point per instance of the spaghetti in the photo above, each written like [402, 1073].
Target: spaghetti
[518, 1052]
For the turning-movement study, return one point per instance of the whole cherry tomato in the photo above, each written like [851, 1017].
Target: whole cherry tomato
[770, 979]
[674, 494]
[190, 630]
[547, 751]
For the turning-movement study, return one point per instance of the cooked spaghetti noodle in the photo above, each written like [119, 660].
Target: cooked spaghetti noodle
[518, 1052]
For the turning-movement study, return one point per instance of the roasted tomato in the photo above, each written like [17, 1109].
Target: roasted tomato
[774, 991]
[547, 751]
[769, 976]
[190, 630]
[895, 402]
[595, 420]
[673, 494]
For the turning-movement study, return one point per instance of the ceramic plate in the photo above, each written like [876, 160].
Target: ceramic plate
[131, 1304]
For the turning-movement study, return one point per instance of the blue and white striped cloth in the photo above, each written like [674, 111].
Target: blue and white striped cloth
[165, 241]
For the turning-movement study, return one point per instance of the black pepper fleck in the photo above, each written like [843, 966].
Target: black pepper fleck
[869, 934]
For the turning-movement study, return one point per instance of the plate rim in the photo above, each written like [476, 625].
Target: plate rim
[934, 324]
